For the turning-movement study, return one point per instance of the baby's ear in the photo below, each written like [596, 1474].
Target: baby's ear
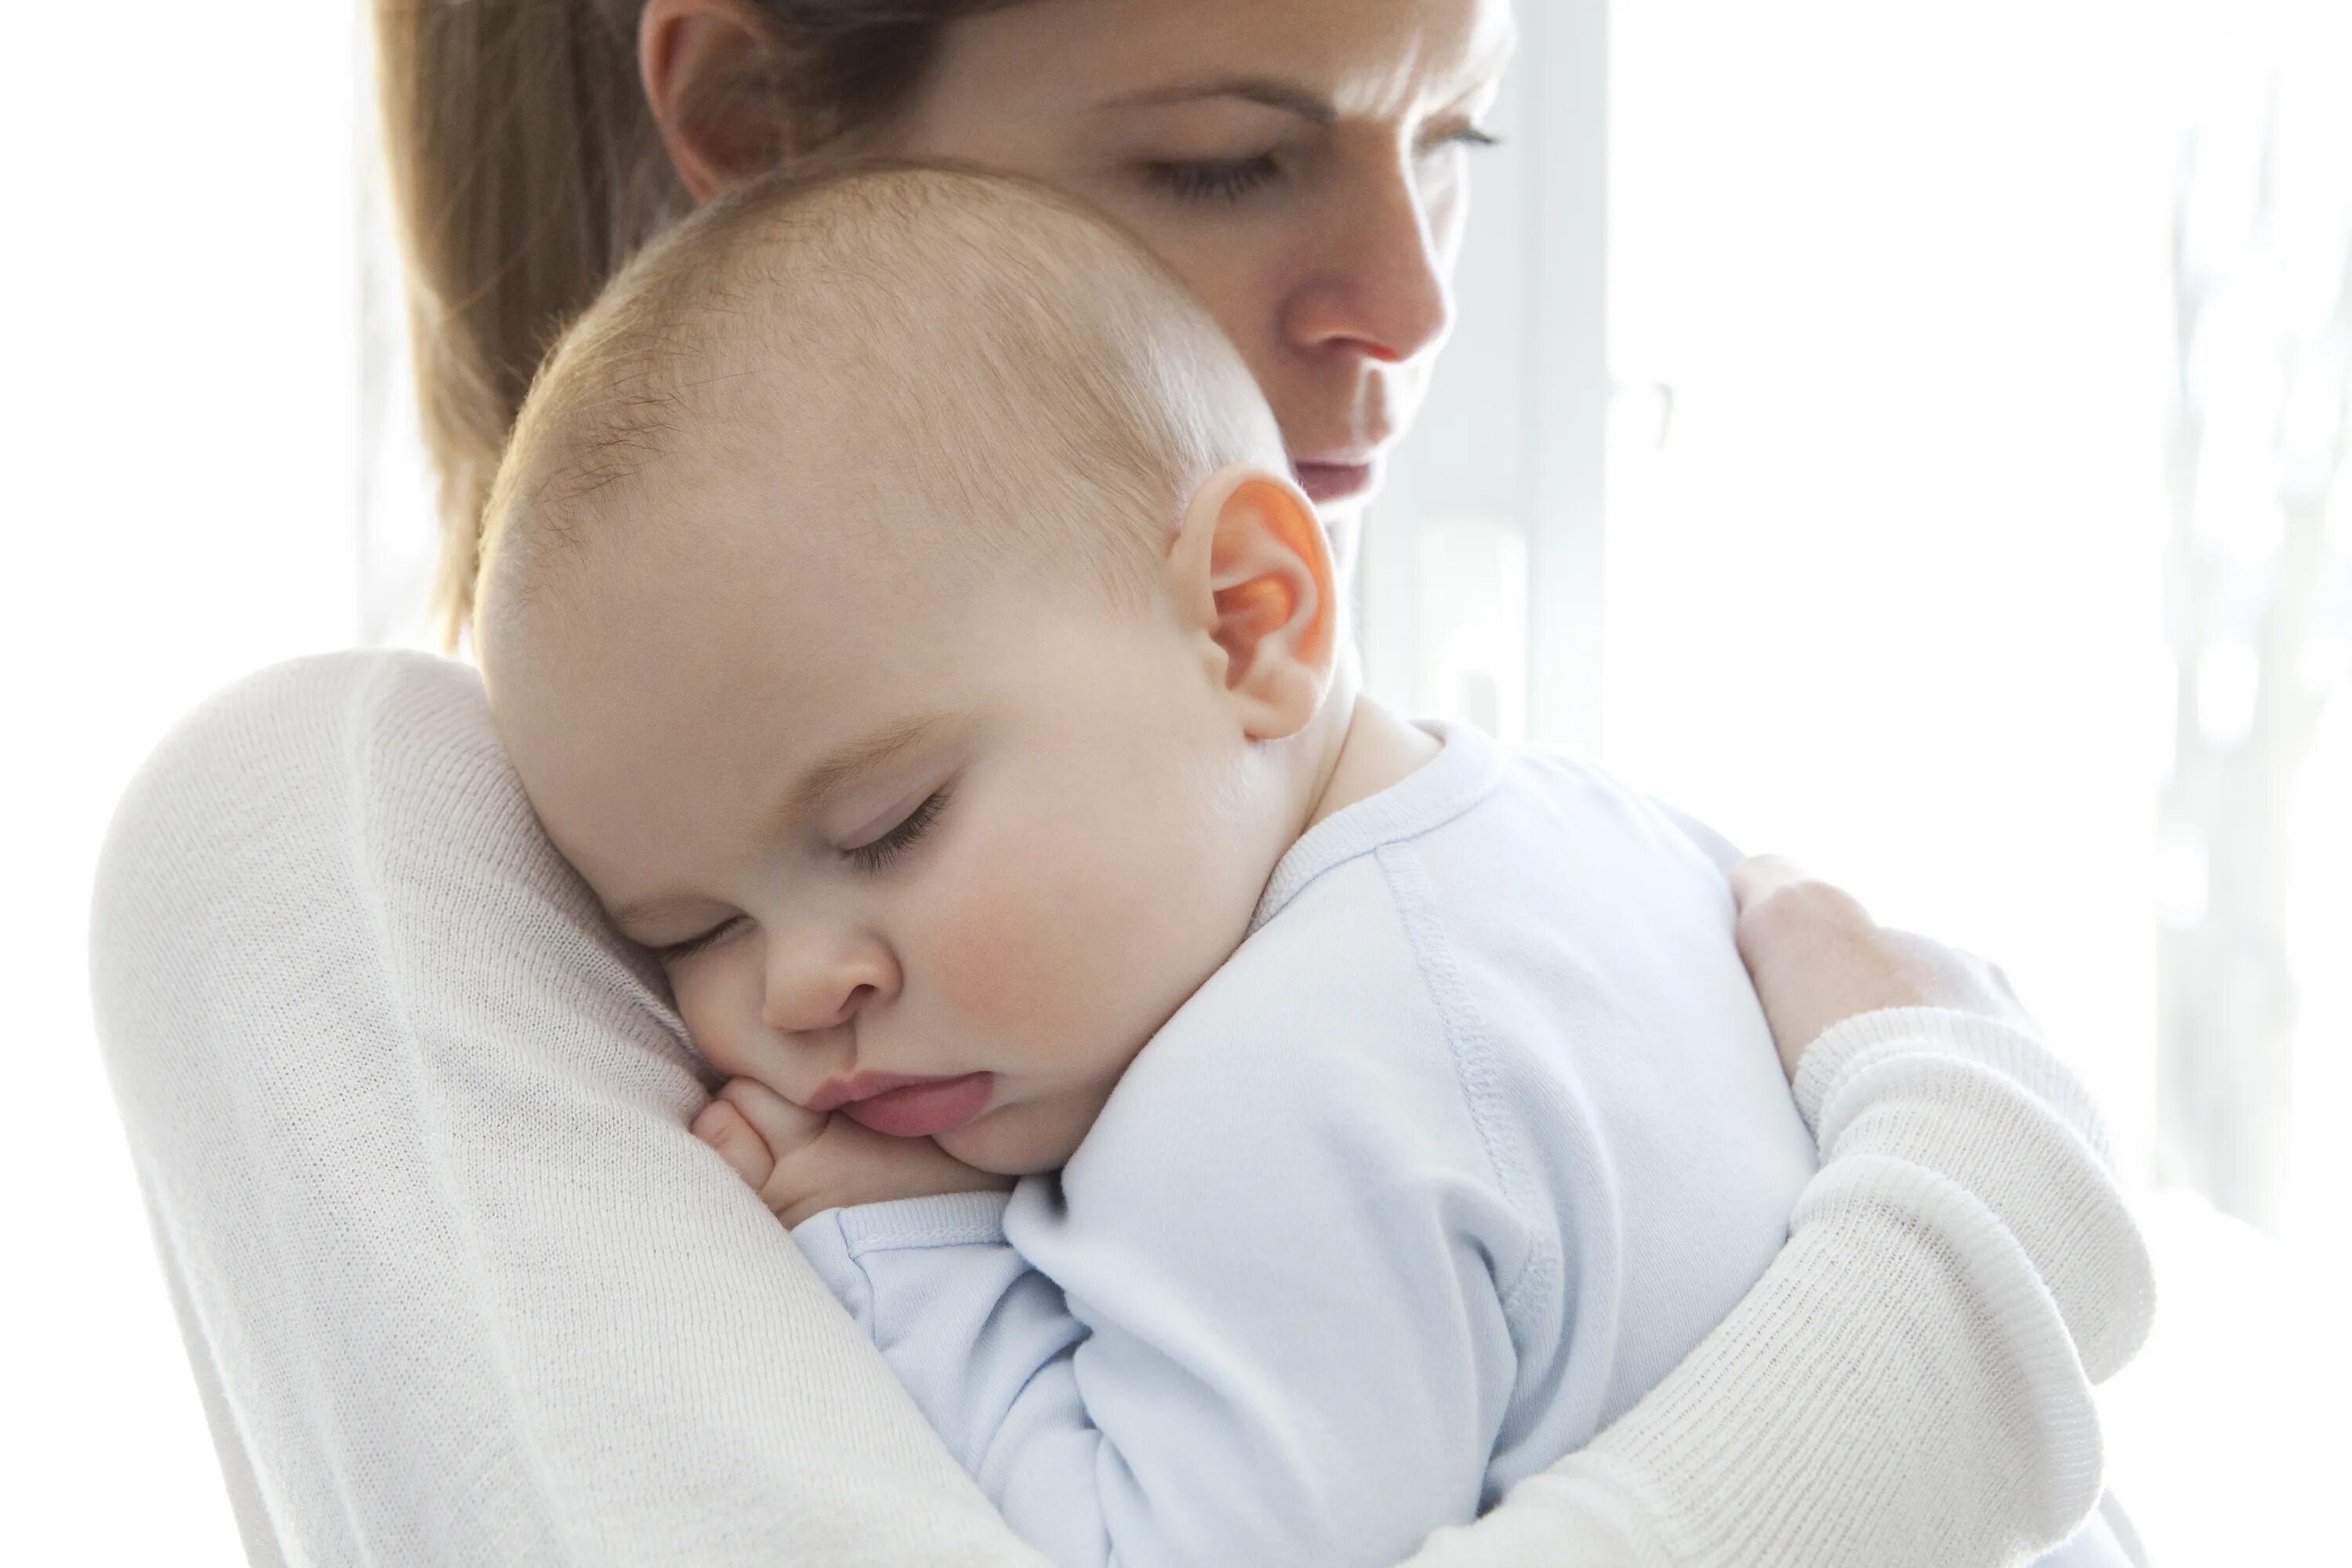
[1252, 570]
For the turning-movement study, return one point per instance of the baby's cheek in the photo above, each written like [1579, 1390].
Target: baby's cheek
[718, 998]
[984, 955]
[1049, 949]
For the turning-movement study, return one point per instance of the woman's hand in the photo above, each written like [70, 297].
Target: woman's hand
[801, 1162]
[1817, 958]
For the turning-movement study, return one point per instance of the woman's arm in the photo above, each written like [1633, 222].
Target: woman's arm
[1910, 1381]
[458, 1285]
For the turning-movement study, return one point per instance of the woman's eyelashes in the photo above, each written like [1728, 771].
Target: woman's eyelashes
[876, 854]
[1469, 136]
[1230, 179]
[1213, 179]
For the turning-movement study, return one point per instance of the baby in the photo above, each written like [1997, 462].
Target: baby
[897, 607]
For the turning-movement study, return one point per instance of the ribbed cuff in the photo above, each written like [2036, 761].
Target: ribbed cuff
[1848, 1049]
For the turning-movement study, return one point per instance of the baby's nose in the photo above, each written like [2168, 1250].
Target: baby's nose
[823, 984]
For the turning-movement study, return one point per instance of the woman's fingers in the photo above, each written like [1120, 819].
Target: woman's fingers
[1816, 958]
[1774, 893]
[1811, 951]
[1760, 876]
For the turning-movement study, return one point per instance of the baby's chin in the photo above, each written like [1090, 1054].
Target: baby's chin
[1025, 1138]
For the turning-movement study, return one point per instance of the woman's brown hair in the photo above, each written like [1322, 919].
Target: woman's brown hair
[526, 168]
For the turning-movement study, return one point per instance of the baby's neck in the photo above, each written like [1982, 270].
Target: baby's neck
[1377, 749]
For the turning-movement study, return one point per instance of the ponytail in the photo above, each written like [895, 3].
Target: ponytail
[526, 168]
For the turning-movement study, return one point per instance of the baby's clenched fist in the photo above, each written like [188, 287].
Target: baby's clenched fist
[801, 1162]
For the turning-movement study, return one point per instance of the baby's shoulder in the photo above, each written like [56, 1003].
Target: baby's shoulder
[1546, 788]
[1322, 1027]
[1565, 856]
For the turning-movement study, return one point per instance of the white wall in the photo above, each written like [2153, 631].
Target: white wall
[1483, 563]
[1890, 597]
[177, 263]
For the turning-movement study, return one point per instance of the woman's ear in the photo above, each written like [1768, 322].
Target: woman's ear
[710, 69]
[1252, 569]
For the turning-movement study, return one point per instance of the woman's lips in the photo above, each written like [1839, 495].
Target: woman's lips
[1327, 483]
[908, 1107]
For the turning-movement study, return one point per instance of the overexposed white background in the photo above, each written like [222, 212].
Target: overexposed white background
[177, 465]
[1880, 582]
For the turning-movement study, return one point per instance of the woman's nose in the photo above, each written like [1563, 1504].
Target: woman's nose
[822, 978]
[1382, 290]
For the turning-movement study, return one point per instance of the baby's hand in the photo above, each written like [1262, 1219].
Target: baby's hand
[801, 1162]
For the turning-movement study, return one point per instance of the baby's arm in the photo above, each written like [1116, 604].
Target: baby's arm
[1223, 1354]
[1908, 1382]
[1902, 1384]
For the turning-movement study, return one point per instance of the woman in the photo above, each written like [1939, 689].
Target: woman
[458, 1283]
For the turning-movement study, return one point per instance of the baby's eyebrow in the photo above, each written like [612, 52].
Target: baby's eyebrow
[848, 763]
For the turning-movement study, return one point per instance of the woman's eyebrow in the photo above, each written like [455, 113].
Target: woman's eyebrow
[1288, 97]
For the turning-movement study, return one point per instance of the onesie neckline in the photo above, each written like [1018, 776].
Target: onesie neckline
[1467, 767]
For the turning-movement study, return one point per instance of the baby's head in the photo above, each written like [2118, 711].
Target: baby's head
[896, 608]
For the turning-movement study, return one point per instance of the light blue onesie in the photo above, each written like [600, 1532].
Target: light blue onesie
[1479, 1132]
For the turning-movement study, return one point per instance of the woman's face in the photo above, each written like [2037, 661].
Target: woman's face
[1301, 164]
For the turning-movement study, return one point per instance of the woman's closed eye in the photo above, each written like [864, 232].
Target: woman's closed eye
[1470, 136]
[879, 852]
[1213, 179]
[1230, 179]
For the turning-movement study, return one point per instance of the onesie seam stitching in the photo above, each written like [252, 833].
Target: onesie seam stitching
[1475, 1071]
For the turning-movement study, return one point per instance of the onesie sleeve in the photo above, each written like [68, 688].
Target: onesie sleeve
[1910, 1382]
[1260, 1319]
[981, 1339]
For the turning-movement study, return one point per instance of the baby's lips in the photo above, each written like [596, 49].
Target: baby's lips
[924, 1109]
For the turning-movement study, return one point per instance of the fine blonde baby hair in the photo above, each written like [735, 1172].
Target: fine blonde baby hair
[526, 168]
[1040, 377]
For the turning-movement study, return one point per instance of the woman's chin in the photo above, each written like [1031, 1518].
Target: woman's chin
[1336, 487]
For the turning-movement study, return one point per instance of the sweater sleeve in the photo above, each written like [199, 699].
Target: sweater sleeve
[1910, 1382]
[459, 1286]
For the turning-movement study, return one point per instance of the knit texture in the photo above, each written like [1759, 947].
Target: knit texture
[1901, 1387]
[458, 1287]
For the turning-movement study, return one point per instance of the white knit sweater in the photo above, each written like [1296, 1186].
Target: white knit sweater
[458, 1287]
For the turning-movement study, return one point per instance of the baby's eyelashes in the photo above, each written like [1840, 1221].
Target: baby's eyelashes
[879, 852]
[673, 952]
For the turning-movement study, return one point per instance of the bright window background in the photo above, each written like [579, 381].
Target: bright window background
[1885, 576]
[1888, 576]
[177, 259]
[1891, 594]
